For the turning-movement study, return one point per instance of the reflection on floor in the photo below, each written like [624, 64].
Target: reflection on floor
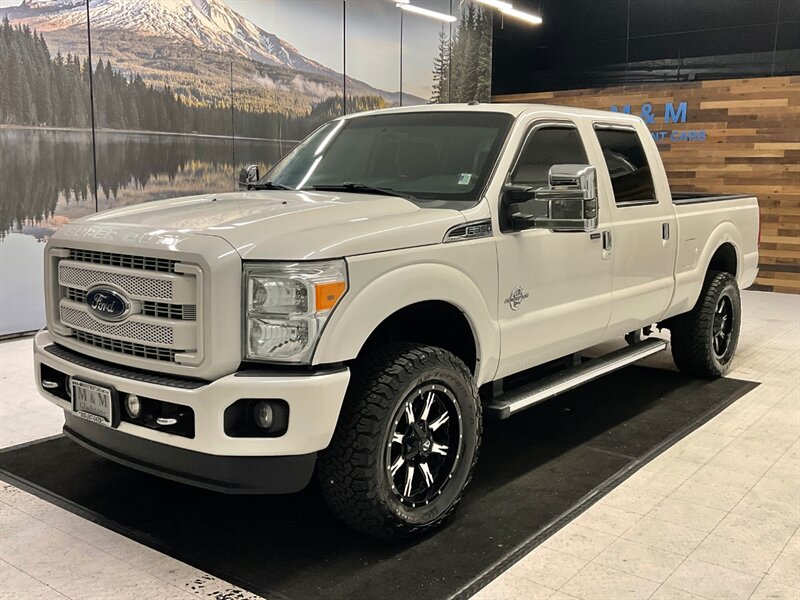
[716, 516]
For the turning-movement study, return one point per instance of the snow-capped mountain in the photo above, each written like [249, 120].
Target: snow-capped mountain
[208, 24]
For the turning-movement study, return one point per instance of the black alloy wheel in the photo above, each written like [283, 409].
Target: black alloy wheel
[406, 442]
[723, 326]
[704, 340]
[423, 450]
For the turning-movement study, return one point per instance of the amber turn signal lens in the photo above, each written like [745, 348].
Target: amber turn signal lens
[328, 294]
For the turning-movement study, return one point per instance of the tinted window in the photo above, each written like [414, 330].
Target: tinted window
[446, 156]
[544, 148]
[627, 165]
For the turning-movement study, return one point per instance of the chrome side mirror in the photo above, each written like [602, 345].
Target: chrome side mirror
[248, 177]
[569, 202]
[571, 198]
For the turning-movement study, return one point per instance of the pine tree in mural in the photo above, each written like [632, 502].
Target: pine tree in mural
[40, 90]
[441, 71]
[465, 64]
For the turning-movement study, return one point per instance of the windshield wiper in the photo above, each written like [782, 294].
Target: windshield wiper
[360, 188]
[270, 185]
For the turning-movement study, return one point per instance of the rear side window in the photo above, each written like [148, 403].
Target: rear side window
[628, 167]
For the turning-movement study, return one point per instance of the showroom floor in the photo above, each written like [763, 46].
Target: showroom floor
[715, 516]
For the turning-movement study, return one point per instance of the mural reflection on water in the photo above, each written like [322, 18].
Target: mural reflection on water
[46, 178]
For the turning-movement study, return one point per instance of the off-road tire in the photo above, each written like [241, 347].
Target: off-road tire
[693, 333]
[352, 472]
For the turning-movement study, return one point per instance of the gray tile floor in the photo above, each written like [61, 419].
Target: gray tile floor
[714, 517]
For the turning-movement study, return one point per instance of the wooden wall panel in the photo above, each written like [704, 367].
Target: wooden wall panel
[752, 145]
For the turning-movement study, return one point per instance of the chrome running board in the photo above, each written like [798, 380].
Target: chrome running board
[526, 396]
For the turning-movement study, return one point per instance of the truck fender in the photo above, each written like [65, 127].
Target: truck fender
[689, 278]
[363, 310]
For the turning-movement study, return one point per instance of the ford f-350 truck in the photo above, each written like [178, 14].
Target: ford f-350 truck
[357, 311]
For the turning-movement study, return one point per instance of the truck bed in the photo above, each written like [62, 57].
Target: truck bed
[705, 223]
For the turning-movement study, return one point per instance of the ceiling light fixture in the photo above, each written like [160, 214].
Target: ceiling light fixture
[499, 4]
[425, 12]
[507, 9]
[522, 16]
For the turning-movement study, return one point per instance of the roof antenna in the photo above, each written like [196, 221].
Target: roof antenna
[473, 103]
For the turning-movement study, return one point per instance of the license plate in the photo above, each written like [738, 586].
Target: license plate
[93, 402]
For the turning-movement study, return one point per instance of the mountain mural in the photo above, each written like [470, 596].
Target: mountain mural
[199, 48]
[208, 24]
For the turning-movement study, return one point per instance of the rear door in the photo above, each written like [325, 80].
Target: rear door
[643, 226]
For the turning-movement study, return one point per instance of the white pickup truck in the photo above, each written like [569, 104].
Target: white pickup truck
[356, 311]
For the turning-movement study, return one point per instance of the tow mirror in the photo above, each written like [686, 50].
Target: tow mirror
[570, 201]
[248, 177]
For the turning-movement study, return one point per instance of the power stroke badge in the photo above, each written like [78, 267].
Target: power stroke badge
[516, 298]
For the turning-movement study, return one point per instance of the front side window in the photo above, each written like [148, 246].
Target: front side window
[545, 147]
[627, 165]
[429, 156]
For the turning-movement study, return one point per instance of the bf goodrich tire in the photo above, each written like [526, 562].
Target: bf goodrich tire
[704, 340]
[406, 442]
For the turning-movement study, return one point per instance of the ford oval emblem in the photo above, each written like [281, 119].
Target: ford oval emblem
[107, 304]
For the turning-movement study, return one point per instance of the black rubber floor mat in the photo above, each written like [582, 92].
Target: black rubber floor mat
[537, 470]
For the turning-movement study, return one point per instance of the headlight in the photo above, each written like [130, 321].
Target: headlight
[286, 306]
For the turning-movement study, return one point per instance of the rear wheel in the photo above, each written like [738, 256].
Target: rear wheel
[704, 340]
[406, 442]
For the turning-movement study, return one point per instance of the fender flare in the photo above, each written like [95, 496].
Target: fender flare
[689, 283]
[359, 314]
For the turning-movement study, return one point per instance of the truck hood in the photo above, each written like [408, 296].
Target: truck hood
[290, 225]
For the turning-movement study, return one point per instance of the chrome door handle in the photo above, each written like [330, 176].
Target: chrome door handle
[665, 231]
[606, 255]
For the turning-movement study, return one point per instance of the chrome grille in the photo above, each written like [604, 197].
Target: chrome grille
[136, 330]
[134, 284]
[126, 261]
[164, 299]
[75, 295]
[129, 348]
[178, 312]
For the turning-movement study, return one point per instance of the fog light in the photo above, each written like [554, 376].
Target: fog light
[263, 415]
[133, 406]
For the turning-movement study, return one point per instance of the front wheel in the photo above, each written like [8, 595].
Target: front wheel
[704, 340]
[406, 442]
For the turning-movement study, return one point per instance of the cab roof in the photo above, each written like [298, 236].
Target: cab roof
[515, 110]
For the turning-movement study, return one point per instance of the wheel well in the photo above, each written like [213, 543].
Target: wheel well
[432, 322]
[724, 259]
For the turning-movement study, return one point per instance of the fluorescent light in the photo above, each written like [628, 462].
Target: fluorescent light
[522, 16]
[425, 12]
[497, 4]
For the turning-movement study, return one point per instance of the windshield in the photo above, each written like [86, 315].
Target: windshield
[435, 155]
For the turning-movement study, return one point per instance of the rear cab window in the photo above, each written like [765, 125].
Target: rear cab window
[631, 177]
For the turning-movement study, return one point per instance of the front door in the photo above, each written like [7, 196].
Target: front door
[555, 287]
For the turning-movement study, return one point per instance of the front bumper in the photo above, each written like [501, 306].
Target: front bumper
[228, 474]
[314, 400]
